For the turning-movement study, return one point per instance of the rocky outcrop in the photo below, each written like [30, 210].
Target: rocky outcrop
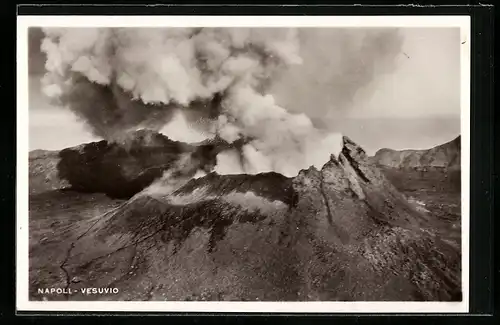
[342, 233]
[443, 156]
[119, 170]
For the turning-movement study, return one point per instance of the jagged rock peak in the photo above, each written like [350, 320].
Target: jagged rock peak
[352, 148]
[349, 150]
[308, 171]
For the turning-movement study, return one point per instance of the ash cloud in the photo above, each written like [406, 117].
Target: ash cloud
[341, 68]
[253, 83]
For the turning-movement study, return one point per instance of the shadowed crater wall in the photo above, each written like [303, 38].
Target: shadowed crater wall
[122, 170]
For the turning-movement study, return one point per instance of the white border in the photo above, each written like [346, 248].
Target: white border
[22, 236]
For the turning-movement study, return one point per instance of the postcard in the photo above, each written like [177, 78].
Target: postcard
[241, 164]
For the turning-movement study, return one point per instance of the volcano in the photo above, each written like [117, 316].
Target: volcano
[339, 233]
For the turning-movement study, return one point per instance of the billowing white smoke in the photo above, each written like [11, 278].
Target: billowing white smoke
[121, 79]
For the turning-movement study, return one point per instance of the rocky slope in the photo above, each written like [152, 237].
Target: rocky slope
[443, 156]
[432, 176]
[43, 172]
[340, 233]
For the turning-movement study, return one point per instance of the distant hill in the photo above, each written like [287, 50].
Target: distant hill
[443, 156]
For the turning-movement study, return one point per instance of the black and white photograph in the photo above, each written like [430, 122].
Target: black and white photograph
[260, 165]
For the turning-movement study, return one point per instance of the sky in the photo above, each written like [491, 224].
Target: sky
[411, 101]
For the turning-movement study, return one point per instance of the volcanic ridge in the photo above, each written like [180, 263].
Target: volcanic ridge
[340, 233]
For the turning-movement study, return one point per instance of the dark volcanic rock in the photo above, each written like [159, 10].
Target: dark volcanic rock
[340, 233]
[443, 156]
[119, 170]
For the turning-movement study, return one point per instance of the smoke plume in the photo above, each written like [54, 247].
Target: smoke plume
[341, 69]
[222, 79]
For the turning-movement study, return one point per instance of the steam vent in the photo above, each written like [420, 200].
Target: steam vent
[340, 233]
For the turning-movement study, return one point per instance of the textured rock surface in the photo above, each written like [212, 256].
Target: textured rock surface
[43, 172]
[340, 233]
[445, 156]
